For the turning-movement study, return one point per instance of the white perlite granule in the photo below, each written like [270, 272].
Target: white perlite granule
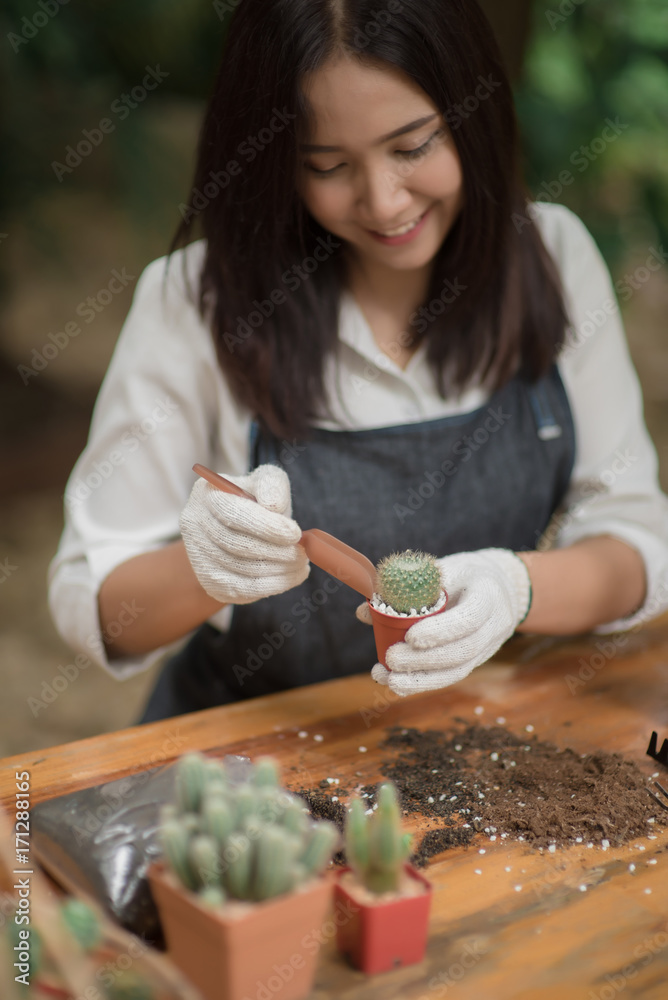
[386, 609]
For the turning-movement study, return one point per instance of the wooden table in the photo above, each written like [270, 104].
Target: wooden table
[549, 940]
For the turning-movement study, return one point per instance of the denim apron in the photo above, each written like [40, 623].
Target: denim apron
[489, 478]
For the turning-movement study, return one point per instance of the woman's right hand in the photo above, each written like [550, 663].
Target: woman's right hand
[240, 550]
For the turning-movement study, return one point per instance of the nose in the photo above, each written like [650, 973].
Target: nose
[382, 196]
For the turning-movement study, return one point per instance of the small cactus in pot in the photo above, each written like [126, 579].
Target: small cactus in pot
[389, 898]
[250, 841]
[248, 861]
[408, 588]
[376, 848]
[409, 582]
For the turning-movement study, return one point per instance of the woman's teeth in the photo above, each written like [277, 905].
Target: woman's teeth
[402, 229]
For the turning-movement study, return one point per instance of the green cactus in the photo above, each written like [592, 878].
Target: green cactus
[408, 581]
[174, 841]
[191, 778]
[82, 921]
[203, 859]
[296, 817]
[266, 774]
[213, 896]
[217, 818]
[246, 803]
[169, 811]
[250, 840]
[375, 846]
[321, 844]
[356, 836]
[276, 850]
[214, 771]
[238, 862]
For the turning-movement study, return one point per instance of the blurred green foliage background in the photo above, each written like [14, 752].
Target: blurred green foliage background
[64, 79]
[585, 62]
[606, 59]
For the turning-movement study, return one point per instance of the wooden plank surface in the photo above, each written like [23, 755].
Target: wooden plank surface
[548, 940]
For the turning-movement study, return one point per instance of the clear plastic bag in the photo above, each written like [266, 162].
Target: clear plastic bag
[102, 841]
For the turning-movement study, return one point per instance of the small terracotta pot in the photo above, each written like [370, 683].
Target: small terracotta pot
[228, 957]
[388, 629]
[384, 935]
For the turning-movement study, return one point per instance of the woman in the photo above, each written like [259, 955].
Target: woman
[402, 350]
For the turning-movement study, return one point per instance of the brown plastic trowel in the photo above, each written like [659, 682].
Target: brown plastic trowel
[329, 553]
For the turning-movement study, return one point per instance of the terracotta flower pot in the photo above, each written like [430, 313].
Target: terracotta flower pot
[384, 935]
[256, 954]
[388, 629]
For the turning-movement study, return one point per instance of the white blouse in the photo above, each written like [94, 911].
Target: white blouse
[165, 404]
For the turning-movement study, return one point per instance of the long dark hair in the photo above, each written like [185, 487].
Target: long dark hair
[273, 331]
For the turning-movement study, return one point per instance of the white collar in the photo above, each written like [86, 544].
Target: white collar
[354, 330]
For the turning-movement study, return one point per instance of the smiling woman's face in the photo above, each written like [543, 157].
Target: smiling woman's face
[371, 184]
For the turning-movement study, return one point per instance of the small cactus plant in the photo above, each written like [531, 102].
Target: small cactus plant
[409, 581]
[83, 924]
[252, 840]
[375, 846]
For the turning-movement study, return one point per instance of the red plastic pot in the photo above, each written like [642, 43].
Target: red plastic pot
[388, 629]
[384, 935]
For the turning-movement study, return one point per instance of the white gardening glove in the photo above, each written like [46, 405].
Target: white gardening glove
[489, 594]
[240, 550]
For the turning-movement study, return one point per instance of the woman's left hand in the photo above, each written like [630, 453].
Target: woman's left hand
[489, 594]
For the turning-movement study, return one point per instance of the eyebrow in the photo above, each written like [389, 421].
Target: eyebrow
[310, 148]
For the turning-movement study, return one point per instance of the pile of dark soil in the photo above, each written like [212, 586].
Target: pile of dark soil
[520, 787]
[322, 807]
[485, 779]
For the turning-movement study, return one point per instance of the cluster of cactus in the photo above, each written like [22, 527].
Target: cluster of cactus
[82, 923]
[408, 581]
[250, 840]
[376, 848]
